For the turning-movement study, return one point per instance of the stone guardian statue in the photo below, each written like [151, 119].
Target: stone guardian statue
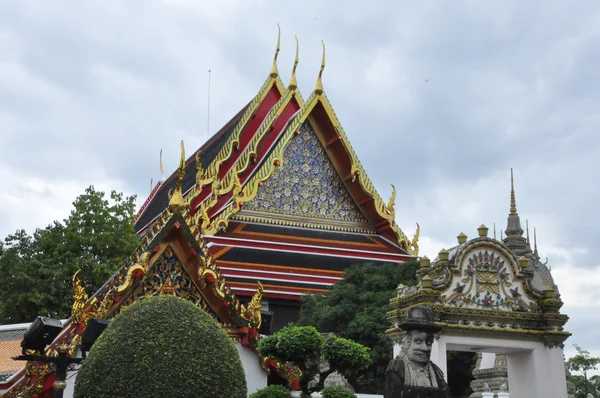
[412, 374]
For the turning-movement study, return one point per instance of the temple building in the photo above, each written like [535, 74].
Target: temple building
[275, 205]
[281, 197]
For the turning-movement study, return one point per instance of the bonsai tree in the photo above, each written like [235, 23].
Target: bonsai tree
[162, 347]
[305, 347]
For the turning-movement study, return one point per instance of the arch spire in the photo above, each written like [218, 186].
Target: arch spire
[513, 202]
[319, 85]
[293, 83]
[274, 71]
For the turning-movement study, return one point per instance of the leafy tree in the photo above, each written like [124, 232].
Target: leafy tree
[162, 346]
[37, 270]
[583, 363]
[355, 308]
[305, 347]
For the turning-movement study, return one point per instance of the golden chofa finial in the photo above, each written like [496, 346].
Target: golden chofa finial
[160, 165]
[274, 71]
[513, 203]
[392, 202]
[176, 202]
[293, 83]
[319, 85]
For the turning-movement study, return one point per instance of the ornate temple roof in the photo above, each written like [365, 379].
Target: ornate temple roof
[285, 162]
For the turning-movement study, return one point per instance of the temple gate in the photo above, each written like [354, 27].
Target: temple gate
[493, 297]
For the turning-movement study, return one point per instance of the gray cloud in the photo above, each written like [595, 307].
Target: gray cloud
[438, 98]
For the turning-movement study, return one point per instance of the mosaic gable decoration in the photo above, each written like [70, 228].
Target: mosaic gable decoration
[307, 185]
[486, 279]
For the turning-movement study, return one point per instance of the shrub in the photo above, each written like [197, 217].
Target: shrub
[162, 347]
[272, 392]
[337, 392]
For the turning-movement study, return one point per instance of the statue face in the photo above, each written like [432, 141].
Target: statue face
[419, 349]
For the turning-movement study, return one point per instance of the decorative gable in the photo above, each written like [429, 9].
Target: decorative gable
[168, 276]
[307, 185]
[486, 279]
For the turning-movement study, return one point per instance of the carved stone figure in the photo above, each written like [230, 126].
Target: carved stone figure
[412, 374]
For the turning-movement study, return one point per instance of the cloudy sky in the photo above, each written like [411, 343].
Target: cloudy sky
[440, 98]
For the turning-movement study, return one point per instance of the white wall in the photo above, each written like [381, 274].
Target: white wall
[256, 377]
[534, 371]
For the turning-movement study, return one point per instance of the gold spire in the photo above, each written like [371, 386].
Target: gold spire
[151, 185]
[319, 85]
[274, 71]
[494, 231]
[535, 250]
[176, 202]
[513, 203]
[162, 171]
[293, 83]
[527, 229]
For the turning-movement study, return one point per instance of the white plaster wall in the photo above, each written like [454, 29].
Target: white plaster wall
[487, 360]
[534, 371]
[256, 377]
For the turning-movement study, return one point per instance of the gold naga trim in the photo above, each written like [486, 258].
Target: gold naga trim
[250, 152]
[80, 299]
[275, 159]
[255, 305]
[210, 174]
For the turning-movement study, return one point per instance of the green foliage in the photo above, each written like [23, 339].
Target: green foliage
[272, 392]
[345, 355]
[37, 270]
[583, 363]
[162, 346]
[337, 392]
[305, 347]
[355, 308]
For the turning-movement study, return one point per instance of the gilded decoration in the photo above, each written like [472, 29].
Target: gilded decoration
[167, 276]
[307, 184]
[487, 281]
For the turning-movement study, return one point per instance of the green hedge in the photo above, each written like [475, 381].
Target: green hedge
[162, 347]
[337, 392]
[272, 392]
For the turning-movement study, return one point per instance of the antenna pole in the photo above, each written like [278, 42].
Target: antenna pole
[208, 113]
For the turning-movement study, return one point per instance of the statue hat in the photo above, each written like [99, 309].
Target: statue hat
[420, 318]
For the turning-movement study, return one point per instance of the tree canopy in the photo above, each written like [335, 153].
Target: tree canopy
[579, 367]
[162, 346]
[37, 269]
[305, 347]
[355, 308]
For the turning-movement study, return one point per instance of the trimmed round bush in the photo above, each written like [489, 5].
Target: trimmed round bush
[337, 392]
[162, 346]
[272, 392]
